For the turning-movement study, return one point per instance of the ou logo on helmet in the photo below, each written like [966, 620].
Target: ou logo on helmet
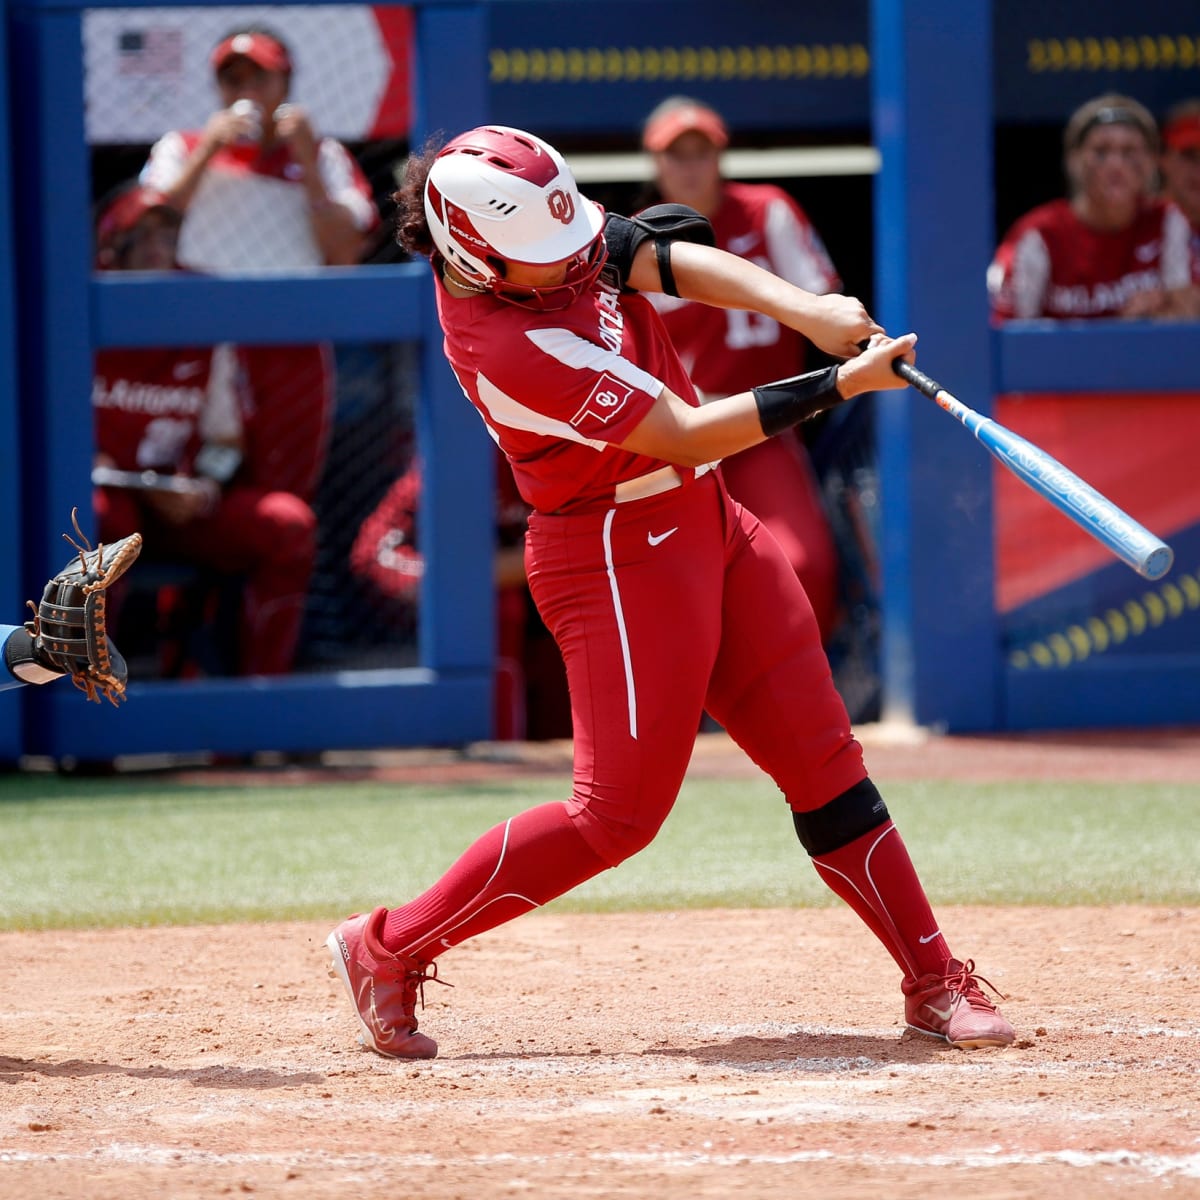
[561, 205]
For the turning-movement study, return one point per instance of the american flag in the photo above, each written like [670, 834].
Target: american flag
[150, 51]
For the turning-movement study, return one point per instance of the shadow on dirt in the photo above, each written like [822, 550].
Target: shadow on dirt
[13, 1070]
[824, 1053]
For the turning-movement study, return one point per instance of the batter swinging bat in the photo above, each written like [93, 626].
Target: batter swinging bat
[1093, 513]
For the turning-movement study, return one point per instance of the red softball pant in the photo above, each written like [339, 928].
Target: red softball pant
[269, 537]
[665, 607]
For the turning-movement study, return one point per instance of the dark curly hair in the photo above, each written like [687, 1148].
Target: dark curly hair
[412, 227]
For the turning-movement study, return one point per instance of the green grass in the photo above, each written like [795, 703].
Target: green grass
[114, 852]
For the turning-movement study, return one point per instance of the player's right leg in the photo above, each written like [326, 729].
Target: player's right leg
[638, 623]
[773, 692]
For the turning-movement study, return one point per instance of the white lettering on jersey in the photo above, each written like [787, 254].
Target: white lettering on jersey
[612, 320]
[152, 398]
[1082, 300]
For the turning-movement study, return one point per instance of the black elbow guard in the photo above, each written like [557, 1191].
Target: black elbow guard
[665, 223]
[787, 402]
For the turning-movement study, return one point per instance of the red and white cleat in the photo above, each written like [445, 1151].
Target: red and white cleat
[383, 987]
[952, 1006]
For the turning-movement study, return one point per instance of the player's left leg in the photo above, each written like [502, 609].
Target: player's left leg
[773, 692]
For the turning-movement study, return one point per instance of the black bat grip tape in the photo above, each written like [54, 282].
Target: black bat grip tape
[918, 379]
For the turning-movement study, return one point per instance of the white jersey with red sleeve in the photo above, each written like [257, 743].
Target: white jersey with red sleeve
[730, 350]
[559, 390]
[250, 212]
[1051, 264]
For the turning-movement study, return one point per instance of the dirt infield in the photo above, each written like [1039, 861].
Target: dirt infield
[698, 1054]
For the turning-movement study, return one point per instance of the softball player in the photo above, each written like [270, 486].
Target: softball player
[665, 596]
[1111, 249]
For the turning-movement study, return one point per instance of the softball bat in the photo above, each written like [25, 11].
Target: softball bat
[1094, 513]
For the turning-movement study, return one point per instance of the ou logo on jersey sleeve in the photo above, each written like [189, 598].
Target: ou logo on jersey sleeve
[607, 399]
[561, 205]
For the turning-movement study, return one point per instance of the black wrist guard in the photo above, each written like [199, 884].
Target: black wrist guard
[21, 659]
[787, 402]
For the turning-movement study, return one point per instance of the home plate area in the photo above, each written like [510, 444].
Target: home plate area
[692, 1054]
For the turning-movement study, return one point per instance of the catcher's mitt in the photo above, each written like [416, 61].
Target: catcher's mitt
[68, 628]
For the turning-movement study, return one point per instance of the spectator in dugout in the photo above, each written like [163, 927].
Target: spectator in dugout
[1180, 169]
[728, 350]
[261, 192]
[183, 413]
[529, 696]
[1111, 248]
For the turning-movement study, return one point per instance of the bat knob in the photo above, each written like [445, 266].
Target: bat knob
[1159, 562]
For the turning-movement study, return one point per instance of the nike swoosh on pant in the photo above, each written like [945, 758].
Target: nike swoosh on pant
[655, 539]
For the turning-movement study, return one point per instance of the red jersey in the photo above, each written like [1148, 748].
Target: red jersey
[250, 211]
[730, 350]
[1053, 265]
[154, 409]
[558, 390]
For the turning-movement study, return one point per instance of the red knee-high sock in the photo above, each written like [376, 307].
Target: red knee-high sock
[875, 876]
[518, 866]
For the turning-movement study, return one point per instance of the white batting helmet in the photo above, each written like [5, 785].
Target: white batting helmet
[496, 195]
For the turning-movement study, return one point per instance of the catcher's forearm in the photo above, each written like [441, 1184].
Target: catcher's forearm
[20, 659]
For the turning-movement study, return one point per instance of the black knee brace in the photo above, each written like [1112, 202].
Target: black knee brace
[856, 811]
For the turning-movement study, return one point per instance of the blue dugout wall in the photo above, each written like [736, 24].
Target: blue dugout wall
[11, 584]
[940, 70]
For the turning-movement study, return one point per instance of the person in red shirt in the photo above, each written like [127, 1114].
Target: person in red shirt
[1111, 249]
[261, 192]
[729, 350]
[179, 414]
[665, 596]
[529, 696]
[1180, 168]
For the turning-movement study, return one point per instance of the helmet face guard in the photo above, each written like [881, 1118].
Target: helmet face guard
[581, 272]
[497, 195]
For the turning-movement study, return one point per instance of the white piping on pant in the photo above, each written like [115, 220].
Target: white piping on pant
[473, 909]
[878, 907]
[630, 692]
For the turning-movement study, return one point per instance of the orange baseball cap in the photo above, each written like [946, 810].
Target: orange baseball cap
[678, 116]
[260, 48]
[1183, 133]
